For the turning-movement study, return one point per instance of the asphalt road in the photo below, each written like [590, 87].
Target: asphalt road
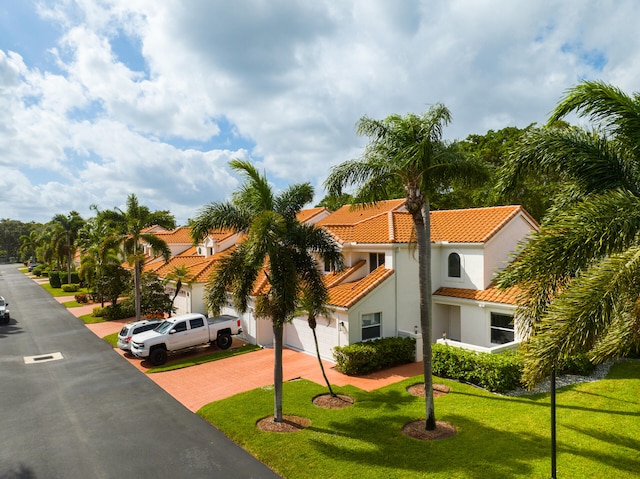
[90, 414]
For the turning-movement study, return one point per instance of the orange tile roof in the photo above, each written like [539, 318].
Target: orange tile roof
[347, 294]
[472, 225]
[350, 215]
[390, 223]
[336, 277]
[307, 214]
[491, 294]
[179, 235]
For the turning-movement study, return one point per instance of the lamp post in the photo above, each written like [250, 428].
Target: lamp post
[553, 423]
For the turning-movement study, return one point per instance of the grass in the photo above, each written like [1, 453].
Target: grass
[598, 430]
[58, 291]
[205, 358]
[91, 319]
[112, 339]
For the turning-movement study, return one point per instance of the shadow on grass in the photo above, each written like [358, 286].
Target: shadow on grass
[476, 452]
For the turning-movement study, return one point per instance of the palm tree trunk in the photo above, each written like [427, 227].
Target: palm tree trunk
[136, 285]
[422, 222]
[326, 380]
[277, 371]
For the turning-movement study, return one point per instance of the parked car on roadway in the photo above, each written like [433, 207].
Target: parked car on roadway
[4, 311]
[131, 329]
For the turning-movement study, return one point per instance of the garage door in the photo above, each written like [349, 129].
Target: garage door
[298, 335]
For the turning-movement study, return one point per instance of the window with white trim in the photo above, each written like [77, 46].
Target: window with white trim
[375, 260]
[371, 326]
[454, 268]
[502, 330]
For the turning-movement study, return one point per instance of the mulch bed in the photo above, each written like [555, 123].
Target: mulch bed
[416, 430]
[288, 424]
[418, 390]
[327, 401]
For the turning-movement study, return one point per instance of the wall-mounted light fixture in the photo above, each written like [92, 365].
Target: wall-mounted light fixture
[341, 327]
[415, 329]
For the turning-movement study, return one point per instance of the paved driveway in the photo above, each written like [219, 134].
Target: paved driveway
[199, 385]
[77, 410]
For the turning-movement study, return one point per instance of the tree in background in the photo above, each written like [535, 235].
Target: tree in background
[11, 233]
[64, 237]
[579, 274]
[129, 232]
[409, 151]
[276, 245]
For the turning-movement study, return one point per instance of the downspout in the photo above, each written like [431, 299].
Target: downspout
[395, 280]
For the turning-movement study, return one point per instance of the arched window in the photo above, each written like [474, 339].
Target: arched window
[454, 265]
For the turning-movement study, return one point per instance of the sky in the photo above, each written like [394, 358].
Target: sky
[100, 99]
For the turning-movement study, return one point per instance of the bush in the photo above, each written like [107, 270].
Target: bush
[119, 311]
[81, 298]
[578, 365]
[366, 357]
[70, 288]
[37, 271]
[54, 279]
[494, 372]
[99, 311]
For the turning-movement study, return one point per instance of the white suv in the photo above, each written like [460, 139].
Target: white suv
[130, 329]
[4, 311]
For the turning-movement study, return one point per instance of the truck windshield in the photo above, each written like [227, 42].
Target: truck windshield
[164, 326]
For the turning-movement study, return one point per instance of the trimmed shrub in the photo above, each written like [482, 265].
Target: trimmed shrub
[119, 311]
[37, 271]
[70, 288]
[81, 298]
[495, 372]
[54, 279]
[369, 356]
[99, 311]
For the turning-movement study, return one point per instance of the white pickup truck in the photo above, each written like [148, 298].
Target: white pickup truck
[184, 332]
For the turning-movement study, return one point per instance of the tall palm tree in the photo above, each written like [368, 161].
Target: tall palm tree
[29, 244]
[580, 274]
[276, 245]
[128, 227]
[65, 235]
[409, 150]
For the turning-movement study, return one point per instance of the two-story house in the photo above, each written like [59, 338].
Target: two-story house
[376, 295]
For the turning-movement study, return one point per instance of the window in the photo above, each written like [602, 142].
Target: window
[182, 326]
[196, 323]
[371, 326]
[454, 270]
[375, 260]
[501, 328]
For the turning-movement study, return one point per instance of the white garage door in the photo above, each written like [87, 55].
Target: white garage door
[298, 335]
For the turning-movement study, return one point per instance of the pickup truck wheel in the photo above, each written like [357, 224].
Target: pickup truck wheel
[158, 356]
[224, 341]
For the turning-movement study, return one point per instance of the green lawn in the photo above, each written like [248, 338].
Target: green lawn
[193, 360]
[498, 437]
[58, 291]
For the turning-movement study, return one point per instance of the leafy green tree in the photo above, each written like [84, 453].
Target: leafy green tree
[276, 243]
[409, 150]
[65, 235]
[114, 281]
[579, 274]
[129, 232]
[11, 232]
[29, 244]
[154, 300]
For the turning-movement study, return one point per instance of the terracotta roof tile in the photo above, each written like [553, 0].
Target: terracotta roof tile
[179, 235]
[347, 294]
[491, 294]
[308, 213]
[350, 216]
[334, 277]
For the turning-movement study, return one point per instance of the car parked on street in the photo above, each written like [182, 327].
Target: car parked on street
[131, 329]
[4, 311]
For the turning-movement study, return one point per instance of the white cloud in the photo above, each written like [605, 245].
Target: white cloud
[289, 78]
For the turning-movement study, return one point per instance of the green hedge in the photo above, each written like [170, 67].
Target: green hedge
[495, 372]
[64, 276]
[54, 279]
[366, 357]
[70, 288]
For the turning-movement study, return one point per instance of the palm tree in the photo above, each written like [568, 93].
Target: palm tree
[64, 237]
[409, 150]
[29, 244]
[128, 227]
[579, 274]
[276, 245]
[179, 274]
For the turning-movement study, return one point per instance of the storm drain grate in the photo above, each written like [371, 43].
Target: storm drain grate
[42, 358]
